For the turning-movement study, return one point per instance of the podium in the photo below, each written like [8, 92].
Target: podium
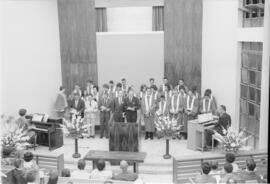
[124, 137]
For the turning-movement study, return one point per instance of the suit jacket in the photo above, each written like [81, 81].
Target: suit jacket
[116, 106]
[224, 121]
[106, 103]
[250, 175]
[80, 106]
[133, 103]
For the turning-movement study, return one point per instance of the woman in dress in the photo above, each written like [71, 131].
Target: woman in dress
[91, 109]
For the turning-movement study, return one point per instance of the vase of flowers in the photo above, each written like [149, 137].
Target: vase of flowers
[168, 128]
[232, 140]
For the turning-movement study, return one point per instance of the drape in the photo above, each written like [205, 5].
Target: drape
[158, 18]
[101, 20]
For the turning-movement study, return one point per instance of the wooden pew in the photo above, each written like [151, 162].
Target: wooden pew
[188, 167]
[49, 162]
[65, 180]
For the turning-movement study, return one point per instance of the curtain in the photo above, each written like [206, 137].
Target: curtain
[158, 18]
[101, 20]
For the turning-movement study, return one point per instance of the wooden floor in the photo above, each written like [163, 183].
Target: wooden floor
[154, 169]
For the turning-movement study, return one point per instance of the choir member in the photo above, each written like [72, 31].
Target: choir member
[174, 106]
[182, 106]
[104, 105]
[154, 91]
[182, 83]
[151, 81]
[195, 92]
[207, 105]
[118, 108]
[124, 86]
[118, 89]
[165, 82]
[77, 104]
[131, 105]
[112, 88]
[167, 92]
[192, 105]
[142, 91]
[162, 108]
[77, 89]
[90, 114]
[89, 88]
[61, 103]
[148, 110]
[95, 93]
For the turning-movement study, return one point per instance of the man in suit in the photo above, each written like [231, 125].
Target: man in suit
[249, 173]
[204, 177]
[104, 106]
[131, 105]
[78, 104]
[118, 108]
[223, 123]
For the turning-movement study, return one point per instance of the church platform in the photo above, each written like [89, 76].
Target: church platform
[155, 169]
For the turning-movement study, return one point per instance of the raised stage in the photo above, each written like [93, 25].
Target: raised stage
[155, 169]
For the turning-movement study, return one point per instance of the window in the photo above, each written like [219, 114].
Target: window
[250, 90]
[253, 13]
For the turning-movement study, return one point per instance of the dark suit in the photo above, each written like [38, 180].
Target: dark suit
[79, 107]
[250, 175]
[223, 122]
[118, 110]
[104, 116]
[131, 115]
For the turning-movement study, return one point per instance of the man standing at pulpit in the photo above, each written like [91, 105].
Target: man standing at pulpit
[118, 108]
[148, 109]
[131, 105]
[104, 106]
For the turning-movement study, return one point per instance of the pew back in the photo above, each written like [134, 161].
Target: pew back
[48, 162]
[188, 167]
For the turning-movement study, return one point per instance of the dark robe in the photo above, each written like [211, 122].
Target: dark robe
[131, 115]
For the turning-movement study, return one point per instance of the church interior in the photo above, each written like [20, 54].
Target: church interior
[134, 91]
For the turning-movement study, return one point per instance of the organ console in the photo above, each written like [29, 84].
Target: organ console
[48, 130]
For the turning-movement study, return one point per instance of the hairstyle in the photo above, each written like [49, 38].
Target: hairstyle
[17, 163]
[105, 86]
[95, 86]
[119, 85]
[142, 87]
[65, 172]
[214, 165]
[207, 92]
[223, 107]
[154, 87]
[111, 82]
[100, 165]
[251, 165]
[162, 96]
[81, 164]
[89, 81]
[165, 78]
[182, 87]
[151, 79]
[168, 86]
[30, 175]
[228, 167]
[22, 112]
[53, 177]
[123, 164]
[206, 168]
[28, 156]
[194, 89]
[61, 88]
[230, 157]
[123, 79]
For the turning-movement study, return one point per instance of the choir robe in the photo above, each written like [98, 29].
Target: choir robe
[161, 110]
[118, 109]
[192, 110]
[175, 114]
[212, 107]
[149, 116]
[182, 115]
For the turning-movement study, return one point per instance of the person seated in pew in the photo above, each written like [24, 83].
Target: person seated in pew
[100, 173]
[112, 89]
[224, 122]
[65, 173]
[207, 104]
[261, 168]
[204, 177]
[80, 172]
[30, 177]
[249, 173]
[228, 170]
[125, 175]
[18, 173]
[214, 168]
[53, 177]
[230, 158]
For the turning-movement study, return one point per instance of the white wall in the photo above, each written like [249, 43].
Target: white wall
[31, 67]
[220, 67]
[135, 56]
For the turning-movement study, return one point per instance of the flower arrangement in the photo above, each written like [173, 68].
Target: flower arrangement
[232, 140]
[74, 127]
[167, 126]
[14, 140]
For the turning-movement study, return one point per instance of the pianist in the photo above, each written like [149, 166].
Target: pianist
[224, 122]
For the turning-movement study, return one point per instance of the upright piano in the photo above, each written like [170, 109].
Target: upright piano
[196, 132]
[48, 130]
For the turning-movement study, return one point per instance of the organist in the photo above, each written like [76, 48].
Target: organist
[223, 124]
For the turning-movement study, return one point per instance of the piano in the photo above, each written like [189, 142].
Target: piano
[48, 130]
[196, 131]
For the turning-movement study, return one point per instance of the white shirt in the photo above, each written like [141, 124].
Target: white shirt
[91, 106]
[82, 174]
[101, 175]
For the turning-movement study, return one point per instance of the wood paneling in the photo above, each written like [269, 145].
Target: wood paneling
[127, 3]
[183, 41]
[77, 28]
